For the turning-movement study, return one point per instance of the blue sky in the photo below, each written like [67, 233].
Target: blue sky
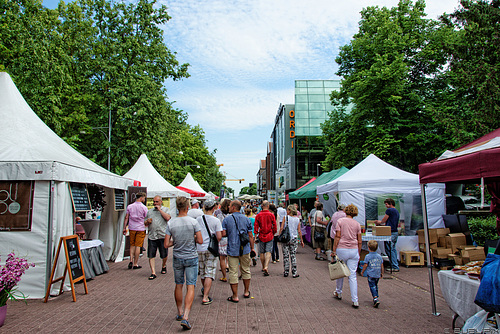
[245, 57]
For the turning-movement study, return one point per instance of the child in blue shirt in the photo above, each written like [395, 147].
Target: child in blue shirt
[374, 269]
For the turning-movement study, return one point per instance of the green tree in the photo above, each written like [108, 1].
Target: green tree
[387, 70]
[88, 59]
[473, 108]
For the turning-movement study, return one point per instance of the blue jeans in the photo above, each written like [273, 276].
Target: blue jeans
[275, 253]
[188, 267]
[390, 249]
[373, 284]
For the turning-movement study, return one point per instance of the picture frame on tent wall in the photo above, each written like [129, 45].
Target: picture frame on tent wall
[16, 205]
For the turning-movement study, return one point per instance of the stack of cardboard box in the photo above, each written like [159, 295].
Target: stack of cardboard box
[446, 246]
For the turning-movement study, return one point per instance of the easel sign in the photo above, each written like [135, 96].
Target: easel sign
[74, 266]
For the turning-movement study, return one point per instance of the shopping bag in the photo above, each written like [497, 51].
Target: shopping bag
[488, 293]
[338, 269]
[478, 323]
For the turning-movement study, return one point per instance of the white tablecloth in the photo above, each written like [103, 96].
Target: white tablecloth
[94, 262]
[369, 236]
[459, 291]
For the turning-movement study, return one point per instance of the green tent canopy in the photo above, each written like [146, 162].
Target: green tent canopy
[309, 190]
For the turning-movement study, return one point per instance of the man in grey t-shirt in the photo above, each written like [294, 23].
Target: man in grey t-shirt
[183, 233]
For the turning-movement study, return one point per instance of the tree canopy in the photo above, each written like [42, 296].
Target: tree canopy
[411, 85]
[94, 63]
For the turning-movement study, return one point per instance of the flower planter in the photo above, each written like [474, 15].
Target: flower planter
[3, 314]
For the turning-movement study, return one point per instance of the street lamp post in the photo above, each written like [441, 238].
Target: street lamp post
[317, 169]
[108, 138]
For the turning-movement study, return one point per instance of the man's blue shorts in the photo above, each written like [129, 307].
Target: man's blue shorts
[187, 266]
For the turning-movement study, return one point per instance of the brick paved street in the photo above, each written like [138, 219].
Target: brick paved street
[126, 301]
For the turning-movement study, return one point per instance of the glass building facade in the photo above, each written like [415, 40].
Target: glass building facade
[297, 146]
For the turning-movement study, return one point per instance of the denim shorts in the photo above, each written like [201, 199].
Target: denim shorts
[187, 266]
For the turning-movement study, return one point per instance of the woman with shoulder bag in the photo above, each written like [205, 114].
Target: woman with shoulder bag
[347, 247]
[292, 222]
[318, 231]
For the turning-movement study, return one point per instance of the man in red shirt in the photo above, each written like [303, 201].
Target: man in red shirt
[265, 228]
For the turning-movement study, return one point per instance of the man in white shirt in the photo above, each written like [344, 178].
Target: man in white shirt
[195, 210]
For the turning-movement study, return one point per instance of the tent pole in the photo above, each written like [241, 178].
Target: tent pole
[48, 267]
[482, 192]
[427, 249]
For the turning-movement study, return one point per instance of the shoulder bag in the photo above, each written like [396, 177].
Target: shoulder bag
[244, 238]
[213, 244]
[284, 236]
[338, 269]
[319, 236]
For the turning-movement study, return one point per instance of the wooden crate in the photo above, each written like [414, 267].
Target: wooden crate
[411, 258]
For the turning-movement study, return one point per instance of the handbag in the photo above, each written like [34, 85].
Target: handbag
[319, 236]
[284, 236]
[338, 269]
[213, 244]
[488, 293]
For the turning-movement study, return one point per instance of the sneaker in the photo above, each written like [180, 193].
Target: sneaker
[355, 304]
[179, 317]
[185, 324]
[277, 260]
[274, 261]
[376, 302]
[337, 295]
[285, 274]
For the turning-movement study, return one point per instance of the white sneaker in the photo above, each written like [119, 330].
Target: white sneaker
[337, 295]
[355, 304]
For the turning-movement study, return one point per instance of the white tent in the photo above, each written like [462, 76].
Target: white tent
[31, 151]
[144, 171]
[190, 183]
[373, 179]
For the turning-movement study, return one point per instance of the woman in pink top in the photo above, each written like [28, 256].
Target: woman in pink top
[347, 247]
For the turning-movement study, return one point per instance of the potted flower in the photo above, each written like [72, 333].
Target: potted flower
[10, 275]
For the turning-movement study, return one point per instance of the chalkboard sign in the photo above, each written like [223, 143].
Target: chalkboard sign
[73, 256]
[74, 266]
[119, 199]
[80, 197]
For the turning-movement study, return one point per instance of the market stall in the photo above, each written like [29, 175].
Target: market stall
[478, 162]
[37, 205]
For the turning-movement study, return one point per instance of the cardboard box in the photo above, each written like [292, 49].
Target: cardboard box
[472, 253]
[441, 232]
[441, 253]
[456, 258]
[442, 241]
[381, 230]
[431, 246]
[409, 258]
[433, 236]
[453, 240]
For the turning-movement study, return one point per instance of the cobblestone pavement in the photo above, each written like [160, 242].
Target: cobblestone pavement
[125, 301]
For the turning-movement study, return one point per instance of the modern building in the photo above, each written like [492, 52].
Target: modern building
[297, 148]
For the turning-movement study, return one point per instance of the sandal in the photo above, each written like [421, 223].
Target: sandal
[164, 270]
[152, 277]
[210, 300]
[230, 299]
[223, 279]
[247, 296]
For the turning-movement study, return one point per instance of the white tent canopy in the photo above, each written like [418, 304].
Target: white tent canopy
[190, 183]
[373, 176]
[31, 151]
[144, 171]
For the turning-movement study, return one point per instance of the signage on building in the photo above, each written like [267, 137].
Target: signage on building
[291, 114]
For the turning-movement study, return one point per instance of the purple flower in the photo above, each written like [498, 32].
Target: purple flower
[10, 275]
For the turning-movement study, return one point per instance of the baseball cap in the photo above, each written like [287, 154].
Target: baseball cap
[194, 201]
[209, 204]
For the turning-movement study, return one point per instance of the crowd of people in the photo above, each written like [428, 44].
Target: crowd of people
[202, 234]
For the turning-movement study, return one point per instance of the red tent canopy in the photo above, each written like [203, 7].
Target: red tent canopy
[482, 162]
[191, 192]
